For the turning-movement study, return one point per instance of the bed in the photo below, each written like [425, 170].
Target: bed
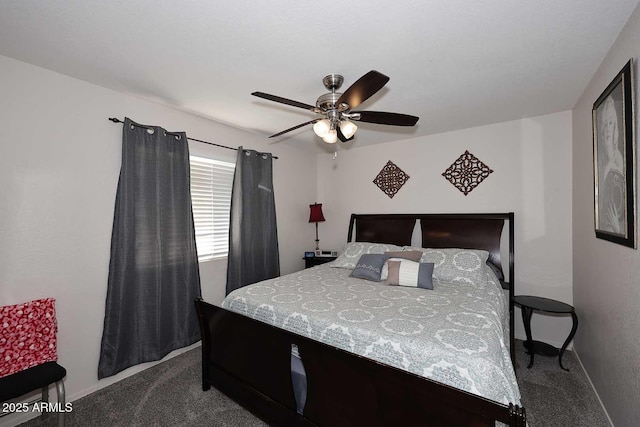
[411, 371]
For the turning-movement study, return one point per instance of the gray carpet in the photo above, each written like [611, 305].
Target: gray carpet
[170, 394]
[554, 397]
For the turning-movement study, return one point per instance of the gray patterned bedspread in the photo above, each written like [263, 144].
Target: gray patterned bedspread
[453, 334]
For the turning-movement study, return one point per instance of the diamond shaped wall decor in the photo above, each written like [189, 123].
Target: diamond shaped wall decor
[390, 179]
[467, 172]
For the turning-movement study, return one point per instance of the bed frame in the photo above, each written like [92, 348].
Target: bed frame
[250, 361]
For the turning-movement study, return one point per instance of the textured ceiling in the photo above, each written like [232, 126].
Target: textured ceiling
[454, 63]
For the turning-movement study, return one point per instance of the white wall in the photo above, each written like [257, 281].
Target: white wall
[606, 288]
[531, 160]
[59, 165]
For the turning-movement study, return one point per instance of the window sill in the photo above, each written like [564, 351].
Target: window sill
[216, 258]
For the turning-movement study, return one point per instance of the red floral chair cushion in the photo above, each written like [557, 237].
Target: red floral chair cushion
[27, 335]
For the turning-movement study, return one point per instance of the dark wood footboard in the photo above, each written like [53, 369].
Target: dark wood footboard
[250, 362]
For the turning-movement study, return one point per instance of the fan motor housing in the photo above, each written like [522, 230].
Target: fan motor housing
[328, 101]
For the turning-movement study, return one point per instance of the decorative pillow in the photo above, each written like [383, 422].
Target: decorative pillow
[410, 273]
[496, 271]
[450, 263]
[410, 255]
[354, 250]
[27, 335]
[369, 267]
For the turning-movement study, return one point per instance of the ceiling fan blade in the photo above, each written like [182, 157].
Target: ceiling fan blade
[294, 128]
[384, 118]
[341, 136]
[284, 100]
[363, 89]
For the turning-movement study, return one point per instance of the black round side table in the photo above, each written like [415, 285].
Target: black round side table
[529, 303]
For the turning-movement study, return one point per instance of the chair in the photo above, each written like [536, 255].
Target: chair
[28, 353]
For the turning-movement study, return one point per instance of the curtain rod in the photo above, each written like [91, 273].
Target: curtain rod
[116, 120]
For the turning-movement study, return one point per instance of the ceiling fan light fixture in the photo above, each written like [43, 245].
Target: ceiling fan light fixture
[348, 128]
[335, 108]
[331, 137]
[322, 127]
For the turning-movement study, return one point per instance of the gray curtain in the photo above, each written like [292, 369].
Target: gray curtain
[253, 235]
[153, 272]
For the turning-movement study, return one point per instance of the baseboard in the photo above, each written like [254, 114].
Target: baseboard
[593, 388]
[553, 343]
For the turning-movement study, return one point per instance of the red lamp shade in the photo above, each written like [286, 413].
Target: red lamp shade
[315, 214]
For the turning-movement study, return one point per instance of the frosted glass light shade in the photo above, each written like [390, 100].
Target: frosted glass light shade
[348, 128]
[322, 127]
[331, 136]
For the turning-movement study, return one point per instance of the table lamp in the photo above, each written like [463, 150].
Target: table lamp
[315, 215]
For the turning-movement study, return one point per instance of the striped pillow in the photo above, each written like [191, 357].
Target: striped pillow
[409, 273]
[396, 256]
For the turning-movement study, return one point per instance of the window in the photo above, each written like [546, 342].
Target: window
[211, 182]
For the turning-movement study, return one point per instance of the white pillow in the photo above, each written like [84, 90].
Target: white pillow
[450, 263]
[354, 250]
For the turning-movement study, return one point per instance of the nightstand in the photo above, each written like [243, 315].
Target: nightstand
[313, 261]
[530, 303]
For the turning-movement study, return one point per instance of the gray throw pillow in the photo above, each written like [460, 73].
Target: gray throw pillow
[496, 271]
[369, 267]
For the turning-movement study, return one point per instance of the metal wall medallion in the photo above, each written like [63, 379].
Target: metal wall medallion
[390, 179]
[467, 172]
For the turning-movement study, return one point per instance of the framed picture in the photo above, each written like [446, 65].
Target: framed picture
[614, 160]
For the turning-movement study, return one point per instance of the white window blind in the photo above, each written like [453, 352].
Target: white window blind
[211, 182]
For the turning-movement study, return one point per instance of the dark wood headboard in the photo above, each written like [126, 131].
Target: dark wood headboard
[467, 231]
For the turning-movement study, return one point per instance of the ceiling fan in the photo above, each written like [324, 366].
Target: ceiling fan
[337, 121]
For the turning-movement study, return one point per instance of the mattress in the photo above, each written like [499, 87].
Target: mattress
[455, 334]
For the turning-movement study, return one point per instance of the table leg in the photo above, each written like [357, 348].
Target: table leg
[574, 328]
[526, 319]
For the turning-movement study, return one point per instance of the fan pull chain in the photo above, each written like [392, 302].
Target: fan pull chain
[335, 154]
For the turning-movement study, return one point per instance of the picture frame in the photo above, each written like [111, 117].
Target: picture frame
[614, 163]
